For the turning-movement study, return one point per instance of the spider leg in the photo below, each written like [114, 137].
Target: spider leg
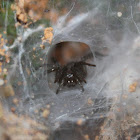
[84, 63]
[80, 85]
[56, 79]
[79, 78]
[59, 88]
[62, 75]
[57, 76]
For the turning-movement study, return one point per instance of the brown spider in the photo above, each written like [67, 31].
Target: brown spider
[70, 74]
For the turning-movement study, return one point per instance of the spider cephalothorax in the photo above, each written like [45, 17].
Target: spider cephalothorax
[71, 74]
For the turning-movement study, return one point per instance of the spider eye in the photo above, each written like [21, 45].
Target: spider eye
[69, 75]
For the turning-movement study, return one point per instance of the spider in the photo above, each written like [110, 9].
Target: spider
[71, 74]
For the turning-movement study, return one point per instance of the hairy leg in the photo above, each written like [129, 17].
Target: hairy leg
[80, 85]
[80, 78]
[88, 64]
[59, 88]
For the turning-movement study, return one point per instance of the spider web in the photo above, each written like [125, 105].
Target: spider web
[111, 29]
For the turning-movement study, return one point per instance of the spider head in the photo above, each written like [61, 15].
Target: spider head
[69, 79]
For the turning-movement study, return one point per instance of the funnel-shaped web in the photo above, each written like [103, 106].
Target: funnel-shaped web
[109, 104]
